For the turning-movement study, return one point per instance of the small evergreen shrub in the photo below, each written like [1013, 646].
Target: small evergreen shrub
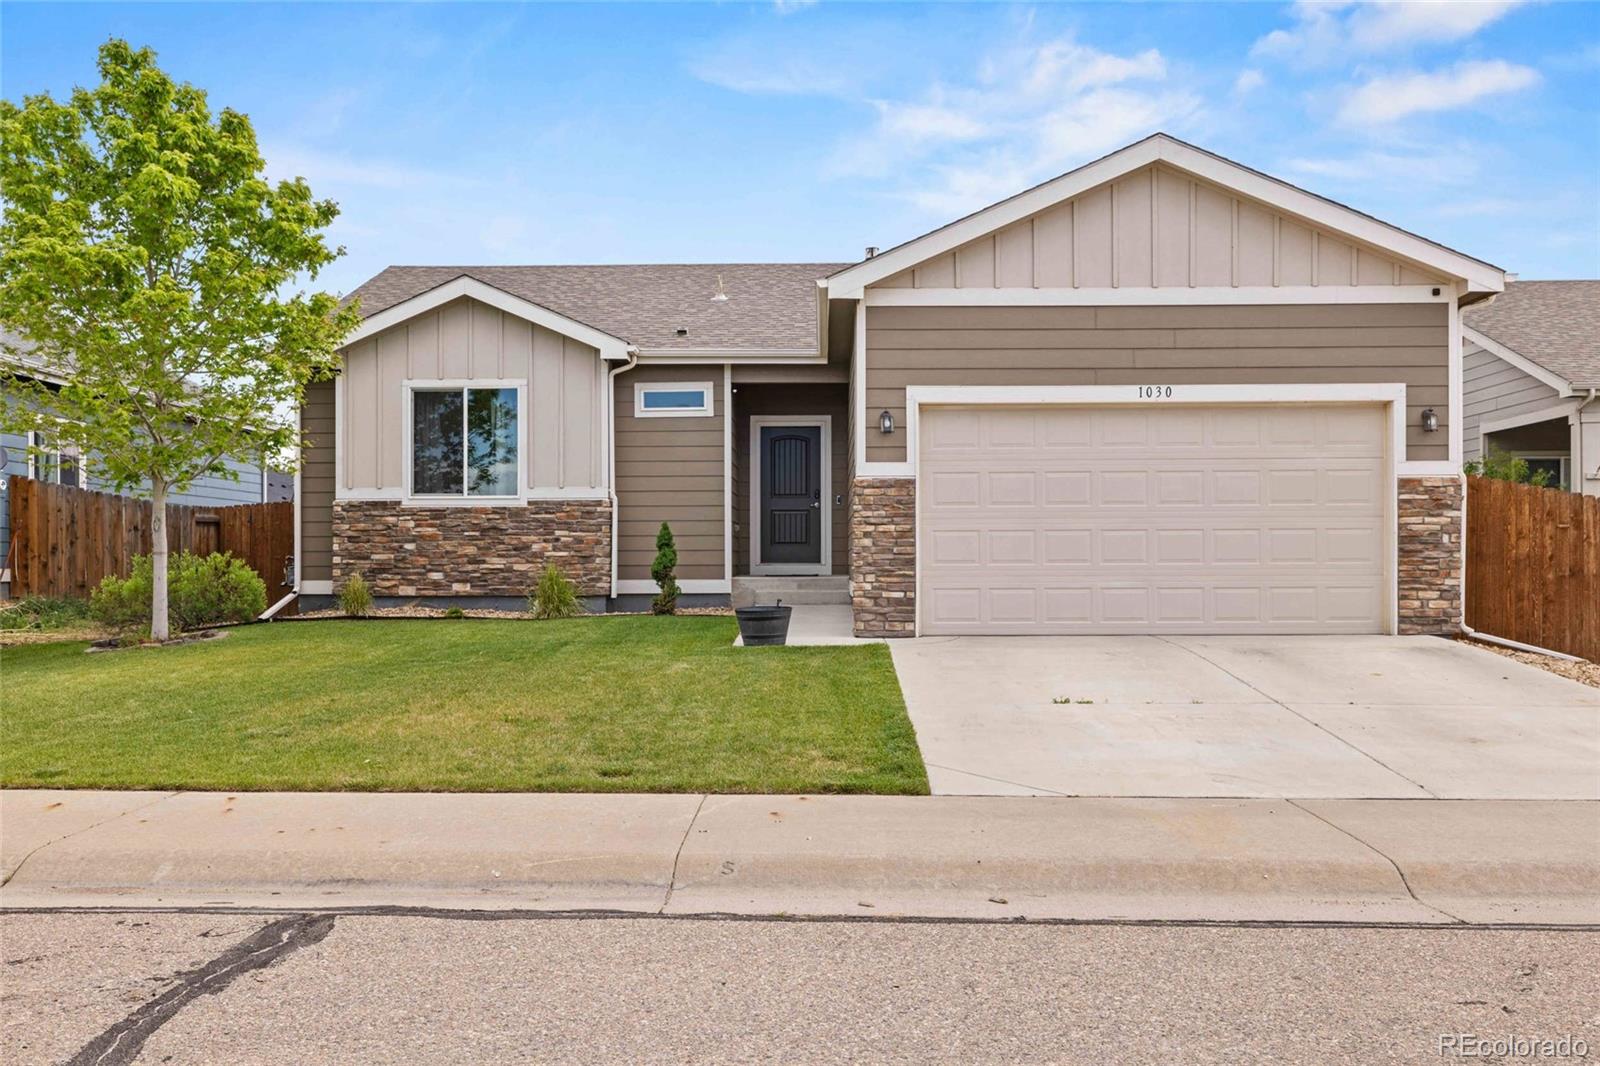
[454, 612]
[554, 596]
[663, 572]
[355, 598]
[202, 590]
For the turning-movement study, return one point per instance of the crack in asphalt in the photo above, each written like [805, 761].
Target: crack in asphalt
[68, 836]
[121, 1044]
[672, 880]
[1309, 721]
[1405, 881]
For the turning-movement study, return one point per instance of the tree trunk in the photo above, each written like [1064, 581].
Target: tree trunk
[158, 560]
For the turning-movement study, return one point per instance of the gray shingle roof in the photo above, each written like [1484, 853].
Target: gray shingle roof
[1554, 323]
[769, 305]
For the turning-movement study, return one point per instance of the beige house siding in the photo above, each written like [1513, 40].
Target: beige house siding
[316, 484]
[800, 400]
[468, 340]
[1493, 389]
[1158, 227]
[1213, 345]
[670, 470]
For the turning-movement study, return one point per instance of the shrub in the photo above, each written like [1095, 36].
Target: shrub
[555, 596]
[355, 598]
[202, 590]
[454, 612]
[662, 571]
[1503, 466]
[43, 612]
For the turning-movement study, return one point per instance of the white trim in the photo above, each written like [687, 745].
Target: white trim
[727, 472]
[644, 586]
[1456, 389]
[730, 355]
[1391, 395]
[824, 503]
[316, 588]
[1322, 213]
[708, 390]
[1146, 296]
[610, 347]
[300, 462]
[858, 389]
[1562, 409]
[1562, 386]
[409, 387]
[610, 377]
[1427, 468]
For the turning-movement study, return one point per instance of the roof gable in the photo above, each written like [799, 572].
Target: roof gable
[1552, 324]
[1129, 201]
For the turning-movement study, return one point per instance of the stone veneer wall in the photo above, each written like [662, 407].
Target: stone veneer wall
[883, 556]
[1430, 550]
[472, 551]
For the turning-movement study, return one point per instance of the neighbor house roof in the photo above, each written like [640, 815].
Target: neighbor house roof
[1556, 324]
[769, 306]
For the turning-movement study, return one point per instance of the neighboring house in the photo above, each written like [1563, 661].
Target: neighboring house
[65, 466]
[1162, 393]
[1532, 374]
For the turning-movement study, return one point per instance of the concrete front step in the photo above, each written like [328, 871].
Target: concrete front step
[832, 590]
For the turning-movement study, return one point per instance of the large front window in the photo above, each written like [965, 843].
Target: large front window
[464, 442]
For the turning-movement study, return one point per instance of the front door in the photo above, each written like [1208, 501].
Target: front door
[791, 495]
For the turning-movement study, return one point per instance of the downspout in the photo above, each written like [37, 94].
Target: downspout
[611, 453]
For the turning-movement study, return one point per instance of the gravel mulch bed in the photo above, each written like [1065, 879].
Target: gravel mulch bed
[1582, 670]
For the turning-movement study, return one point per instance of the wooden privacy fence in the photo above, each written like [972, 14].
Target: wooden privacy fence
[64, 539]
[1533, 566]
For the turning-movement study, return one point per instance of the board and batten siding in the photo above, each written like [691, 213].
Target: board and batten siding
[1158, 227]
[1493, 389]
[468, 340]
[316, 484]
[670, 470]
[1190, 345]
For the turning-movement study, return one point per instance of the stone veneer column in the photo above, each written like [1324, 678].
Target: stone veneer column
[1430, 550]
[883, 556]
[472, 551]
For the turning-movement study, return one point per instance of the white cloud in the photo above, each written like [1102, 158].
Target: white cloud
[1248, 81]
[1390, 98]
[1323, 32]
[789, 7]
[1436, 167]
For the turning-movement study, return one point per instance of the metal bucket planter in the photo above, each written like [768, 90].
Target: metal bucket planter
[763, 625]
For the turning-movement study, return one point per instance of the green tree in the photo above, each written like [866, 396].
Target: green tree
[663, 572]
[1503, 466]
[149, 266]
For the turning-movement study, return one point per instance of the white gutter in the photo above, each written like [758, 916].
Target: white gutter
[611, 453]
[266, 616]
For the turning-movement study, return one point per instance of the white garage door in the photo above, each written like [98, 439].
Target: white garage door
[1249, 519]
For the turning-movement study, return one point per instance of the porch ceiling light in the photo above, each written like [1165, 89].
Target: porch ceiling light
[1430, 420]
[885, 422]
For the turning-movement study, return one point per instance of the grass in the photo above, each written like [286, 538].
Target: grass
[623, 704]
[44, 613]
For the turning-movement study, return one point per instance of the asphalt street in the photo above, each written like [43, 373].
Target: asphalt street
[242, 988]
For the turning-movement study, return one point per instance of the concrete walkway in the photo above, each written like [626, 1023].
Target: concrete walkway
[1297, 717]
[969, 857]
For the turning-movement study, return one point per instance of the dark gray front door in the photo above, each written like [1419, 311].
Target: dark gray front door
[791, 494]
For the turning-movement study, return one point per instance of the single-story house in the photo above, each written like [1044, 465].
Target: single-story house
[1531, 366]
[37, 454]
[1162, 393]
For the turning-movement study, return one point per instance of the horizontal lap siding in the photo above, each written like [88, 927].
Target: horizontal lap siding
[1210, 345]
[1493, 389]
[316, 484]
[670, 470]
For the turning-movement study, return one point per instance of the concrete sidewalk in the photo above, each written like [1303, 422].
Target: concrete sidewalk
[1431, 861]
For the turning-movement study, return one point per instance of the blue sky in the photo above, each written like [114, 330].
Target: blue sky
[472, 133]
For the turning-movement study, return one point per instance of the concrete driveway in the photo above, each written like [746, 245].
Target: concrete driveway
[1324, 717]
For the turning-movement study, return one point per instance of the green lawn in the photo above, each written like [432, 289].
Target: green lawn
[622, 704]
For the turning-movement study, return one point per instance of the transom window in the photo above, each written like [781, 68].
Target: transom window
[464, 441]
[672, 399]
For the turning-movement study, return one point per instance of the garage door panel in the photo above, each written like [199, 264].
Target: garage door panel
[1167, 520]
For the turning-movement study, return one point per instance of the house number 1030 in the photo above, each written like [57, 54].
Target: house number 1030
[1155, 392]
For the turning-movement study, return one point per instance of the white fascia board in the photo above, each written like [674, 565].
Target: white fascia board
[1479, 276]
[1147, 297]
[1562, 386]
[610, 347]
[730, 355]
[1559, 408]
[316, 588]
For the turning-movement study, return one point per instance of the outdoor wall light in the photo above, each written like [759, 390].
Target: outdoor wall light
[885, 422]
[1430, 421]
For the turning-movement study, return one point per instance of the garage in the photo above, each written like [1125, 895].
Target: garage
[1183, 519]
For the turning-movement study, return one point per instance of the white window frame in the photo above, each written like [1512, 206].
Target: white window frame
[1564, 474]
[707, 409]
[58, 450]
[463, 499]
